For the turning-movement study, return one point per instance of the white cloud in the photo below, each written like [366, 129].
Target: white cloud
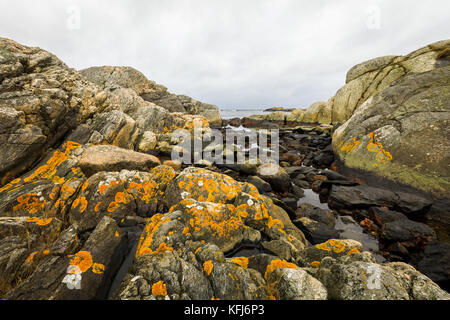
[252, 53]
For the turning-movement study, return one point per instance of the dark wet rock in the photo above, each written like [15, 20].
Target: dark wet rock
[382, 215]
[364, 196]
[297, 191]
[436, 263]
[316, 232]
[405, 230]
[275, 175]
[302, 184]
[324, 159]
[290, 202]
[317, 214]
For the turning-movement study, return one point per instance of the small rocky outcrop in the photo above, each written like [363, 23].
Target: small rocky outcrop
[113, 78]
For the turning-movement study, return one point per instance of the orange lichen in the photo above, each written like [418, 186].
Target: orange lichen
[39, 222]
[48, 170]
[113, 206]
[279, 264]
[159, 289]
[146, 239]
[31, 257]
[382, 156]
[46, 252]
[315, 264]
[242, 261]
[208, 267]
[349, 146]
[30, 203]
[80, 201]
[116, 234]
[332, 245]
[82, 259]
[354, 250]
[97, 206]
[218, 219]
[98, 268]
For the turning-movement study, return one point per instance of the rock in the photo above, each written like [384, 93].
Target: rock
[297, 191]
[148, 142]
[260, 184]
[363, 196]
[382, 216]
[295, 116]
[331, 248]
[83, 275]
[176, 165]
[405, 230]
[111, 158]
[318, 112]
[41, 101]
[202, 185]
[435, 262]
[275, 175]
[295, 284]
[350, 278]
[397, 134]
[317, 214]
[316, 232]
[372, 77]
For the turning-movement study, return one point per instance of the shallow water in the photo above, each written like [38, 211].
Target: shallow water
[312, 198]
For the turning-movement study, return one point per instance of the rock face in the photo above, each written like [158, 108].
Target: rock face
[399, 134]
[372, 77]
[112, 78]
[111, 158]
[41, 100]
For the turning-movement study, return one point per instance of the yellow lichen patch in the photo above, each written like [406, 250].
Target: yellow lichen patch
[82, 259]
[80, 201]
[46, 252]
[85, 185]
[146, 239]
[30, 258]
[315, 264]
[218, 219]
[113, 206]
[98, 268]
[159, 289]
[103, 187]
[97, 206]
[145, 191]
[279, 264]
[349, 146]
[30, 203]
[206, 186]
[208, 267]
[39, 222]
[332, 245]
[242, 261]
[382, 156]
[354, 250]
[116, 234]
[48, 170]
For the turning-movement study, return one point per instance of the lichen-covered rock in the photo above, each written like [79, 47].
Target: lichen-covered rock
[41, 99]
[110, 158]
[358, 277]
[372, 77]
[313, 255]
[113, 78]
[84, 274]
[295, 284]
[318, 112]
[398, 134]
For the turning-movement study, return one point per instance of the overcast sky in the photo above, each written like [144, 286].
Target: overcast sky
[233, 53]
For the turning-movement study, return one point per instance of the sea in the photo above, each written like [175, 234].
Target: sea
[240, 112]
